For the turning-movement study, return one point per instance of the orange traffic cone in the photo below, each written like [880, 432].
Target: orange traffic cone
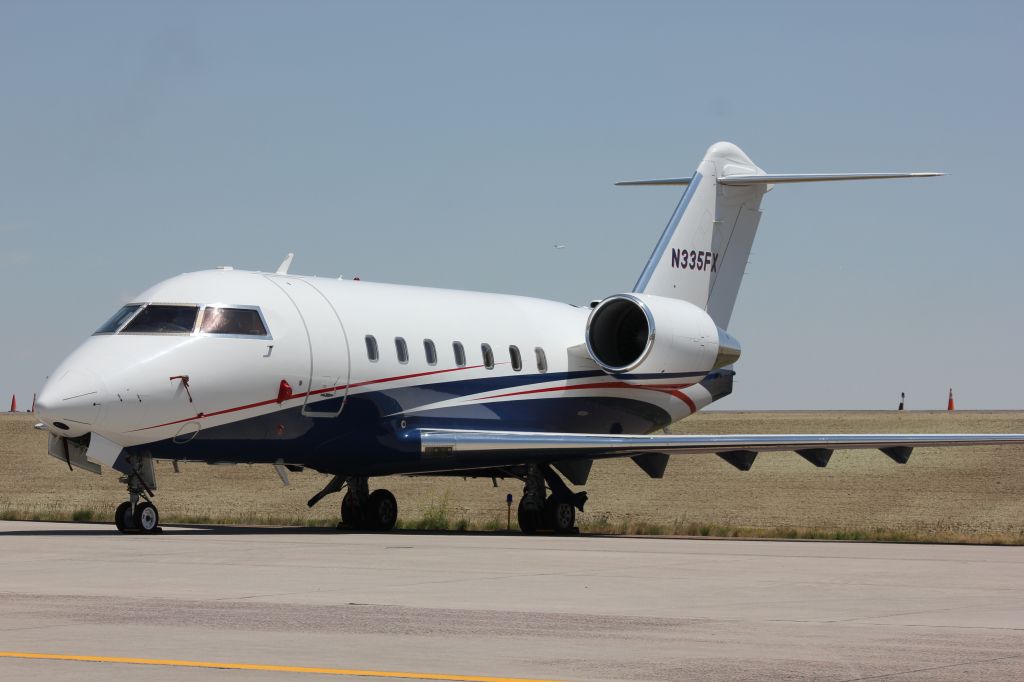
[950, 406]
[14, 403]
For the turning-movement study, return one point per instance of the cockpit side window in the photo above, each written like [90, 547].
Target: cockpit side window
[119, 318]
[237, 321]
[163, 319]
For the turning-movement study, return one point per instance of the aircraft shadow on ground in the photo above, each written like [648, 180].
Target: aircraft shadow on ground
[196, 529]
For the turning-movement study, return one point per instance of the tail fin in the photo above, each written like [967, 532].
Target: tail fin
[703, 252]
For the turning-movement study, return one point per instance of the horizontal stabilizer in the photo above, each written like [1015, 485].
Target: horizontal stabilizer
[779, 179]
[654, 183]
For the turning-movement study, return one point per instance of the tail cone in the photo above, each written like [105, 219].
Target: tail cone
[950, 406]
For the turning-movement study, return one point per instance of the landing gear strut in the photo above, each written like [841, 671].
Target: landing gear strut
[555, 512]
[134, 516]
[361, 509]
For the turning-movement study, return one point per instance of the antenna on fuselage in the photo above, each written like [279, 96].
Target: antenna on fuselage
[282, 269]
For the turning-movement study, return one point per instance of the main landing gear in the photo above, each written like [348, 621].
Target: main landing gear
[555, 512]
[134, 516]
[361, 509]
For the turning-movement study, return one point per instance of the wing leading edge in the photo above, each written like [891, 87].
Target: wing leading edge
[738, 450]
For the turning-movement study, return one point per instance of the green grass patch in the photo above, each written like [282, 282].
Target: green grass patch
[439, 516]
[436, 517]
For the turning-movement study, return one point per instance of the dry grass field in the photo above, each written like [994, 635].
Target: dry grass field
[955, 494]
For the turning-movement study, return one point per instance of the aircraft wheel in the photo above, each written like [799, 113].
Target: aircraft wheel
[351, 514]
[530, 520]
[147, 518]
[560, 516]
[381, 511]
[123, 517]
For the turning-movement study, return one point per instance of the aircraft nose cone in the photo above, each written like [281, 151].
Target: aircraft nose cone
[70, 403]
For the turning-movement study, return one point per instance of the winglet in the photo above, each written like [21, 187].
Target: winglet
[282, 269]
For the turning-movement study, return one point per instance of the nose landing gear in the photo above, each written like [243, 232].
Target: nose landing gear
[134, 516]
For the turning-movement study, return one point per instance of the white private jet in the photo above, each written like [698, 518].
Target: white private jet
[357, 379]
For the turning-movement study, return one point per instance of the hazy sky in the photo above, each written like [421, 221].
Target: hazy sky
[453, 144]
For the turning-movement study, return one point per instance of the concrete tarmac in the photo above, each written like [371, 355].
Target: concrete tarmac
[472, 606]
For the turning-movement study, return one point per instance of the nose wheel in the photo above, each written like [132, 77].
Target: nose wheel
[145, 518]
[138, 514]
[123, 517]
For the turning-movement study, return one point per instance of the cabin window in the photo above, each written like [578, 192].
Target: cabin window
[402, 349]
[119, 318]
[542, 360]
[488, 354]
[430, 350]
[517, 359]
[236, 321]
[164, 319]
[460, 354]
[371, 348]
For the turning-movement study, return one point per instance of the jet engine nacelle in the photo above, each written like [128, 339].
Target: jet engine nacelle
[644, 334]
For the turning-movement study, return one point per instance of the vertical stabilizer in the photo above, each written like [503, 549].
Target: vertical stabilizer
[703, 252]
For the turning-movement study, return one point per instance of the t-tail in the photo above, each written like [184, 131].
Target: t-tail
[702, 255]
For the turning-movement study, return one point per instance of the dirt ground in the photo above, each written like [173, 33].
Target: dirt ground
[967, 491]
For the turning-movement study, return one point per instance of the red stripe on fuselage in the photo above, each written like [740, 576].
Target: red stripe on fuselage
[686, 399]
[299, 396]
[671, 389]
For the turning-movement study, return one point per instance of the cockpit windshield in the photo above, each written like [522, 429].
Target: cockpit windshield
[119, 318]
[242, 321]
[163, 319]
[160, 318]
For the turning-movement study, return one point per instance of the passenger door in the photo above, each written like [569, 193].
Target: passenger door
[329, 367]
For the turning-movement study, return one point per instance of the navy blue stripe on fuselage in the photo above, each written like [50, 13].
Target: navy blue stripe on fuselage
[417, 395]
[662, 375]
[373, 436]
[365, 441]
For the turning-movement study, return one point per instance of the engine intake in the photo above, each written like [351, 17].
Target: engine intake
[620, 333]
[656, 335]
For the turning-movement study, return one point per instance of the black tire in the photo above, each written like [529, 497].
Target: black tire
[530, 520]
[559, 516]
[381, 511]
[147, 518]
[123, 517]
[351, 514]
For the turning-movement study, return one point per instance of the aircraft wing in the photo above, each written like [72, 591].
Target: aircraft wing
[738, 450]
